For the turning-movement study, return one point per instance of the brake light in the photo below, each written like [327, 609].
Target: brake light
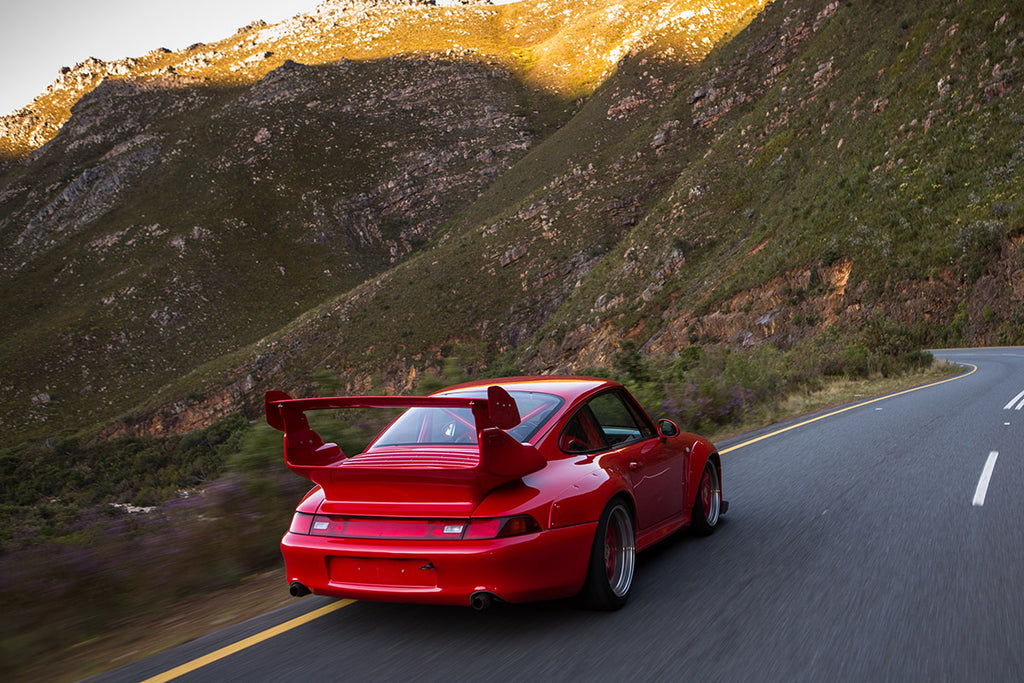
[484, 528]
[301, 523]
[502, 527]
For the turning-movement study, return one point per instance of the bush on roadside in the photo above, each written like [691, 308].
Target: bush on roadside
[705, 388]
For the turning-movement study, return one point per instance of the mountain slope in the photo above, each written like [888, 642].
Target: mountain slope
[182, 225]
[767, 200]
[527, 184]
[194, 202]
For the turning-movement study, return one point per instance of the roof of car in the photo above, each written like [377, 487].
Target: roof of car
[567, 387]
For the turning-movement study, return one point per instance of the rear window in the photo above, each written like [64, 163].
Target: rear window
[445, 426]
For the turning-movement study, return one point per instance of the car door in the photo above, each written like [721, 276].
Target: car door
[655, 475]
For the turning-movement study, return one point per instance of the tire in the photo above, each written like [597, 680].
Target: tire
[612, 559]
[707, 508]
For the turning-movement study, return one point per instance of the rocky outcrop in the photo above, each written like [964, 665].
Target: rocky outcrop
[34, 125]
[27, 129]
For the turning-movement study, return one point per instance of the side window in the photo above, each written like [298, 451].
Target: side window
[605, 422]
[617, 420]
[581, 434]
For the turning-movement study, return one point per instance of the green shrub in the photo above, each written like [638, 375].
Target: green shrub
[706, 388]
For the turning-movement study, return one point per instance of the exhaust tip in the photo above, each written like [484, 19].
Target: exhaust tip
[297, 590]
[482, 600]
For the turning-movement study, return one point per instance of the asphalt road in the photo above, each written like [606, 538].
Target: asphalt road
[859, 546]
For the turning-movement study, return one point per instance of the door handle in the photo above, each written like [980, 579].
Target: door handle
[634, 466]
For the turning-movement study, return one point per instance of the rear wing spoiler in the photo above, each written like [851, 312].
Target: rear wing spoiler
[501, 455]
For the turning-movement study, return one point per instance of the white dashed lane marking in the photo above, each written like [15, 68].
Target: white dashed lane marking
[1016, 403]
[986, 477]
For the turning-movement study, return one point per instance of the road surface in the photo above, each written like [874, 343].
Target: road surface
[881, 542]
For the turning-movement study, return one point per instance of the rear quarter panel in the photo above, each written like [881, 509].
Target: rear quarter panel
[584, 497]
[566, 492]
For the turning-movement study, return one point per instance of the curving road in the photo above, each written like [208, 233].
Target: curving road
[882, 542]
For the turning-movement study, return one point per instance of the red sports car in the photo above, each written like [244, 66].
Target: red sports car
[509, 490]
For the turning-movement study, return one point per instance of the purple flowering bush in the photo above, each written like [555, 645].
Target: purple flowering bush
[73, 571]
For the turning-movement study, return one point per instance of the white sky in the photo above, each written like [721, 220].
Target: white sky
[38, 37]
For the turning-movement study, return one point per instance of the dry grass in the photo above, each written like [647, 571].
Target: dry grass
[837, 393]
[147, 634]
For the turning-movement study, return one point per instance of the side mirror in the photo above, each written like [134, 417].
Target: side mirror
[667, 428]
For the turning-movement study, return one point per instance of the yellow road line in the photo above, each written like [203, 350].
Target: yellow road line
[738, 446]
[189, 667]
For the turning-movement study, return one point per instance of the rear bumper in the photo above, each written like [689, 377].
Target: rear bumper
[542, 566]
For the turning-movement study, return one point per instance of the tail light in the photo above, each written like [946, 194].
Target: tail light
[502, 527]
[412, 529]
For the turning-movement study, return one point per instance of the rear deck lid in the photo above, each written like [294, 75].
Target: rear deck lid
[407, 481]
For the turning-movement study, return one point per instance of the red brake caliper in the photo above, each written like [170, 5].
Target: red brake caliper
[610, 547]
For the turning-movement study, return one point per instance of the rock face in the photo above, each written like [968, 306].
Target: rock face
[373, 187]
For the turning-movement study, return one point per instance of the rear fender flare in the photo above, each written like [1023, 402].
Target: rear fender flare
[585, 499]
[700, 453]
